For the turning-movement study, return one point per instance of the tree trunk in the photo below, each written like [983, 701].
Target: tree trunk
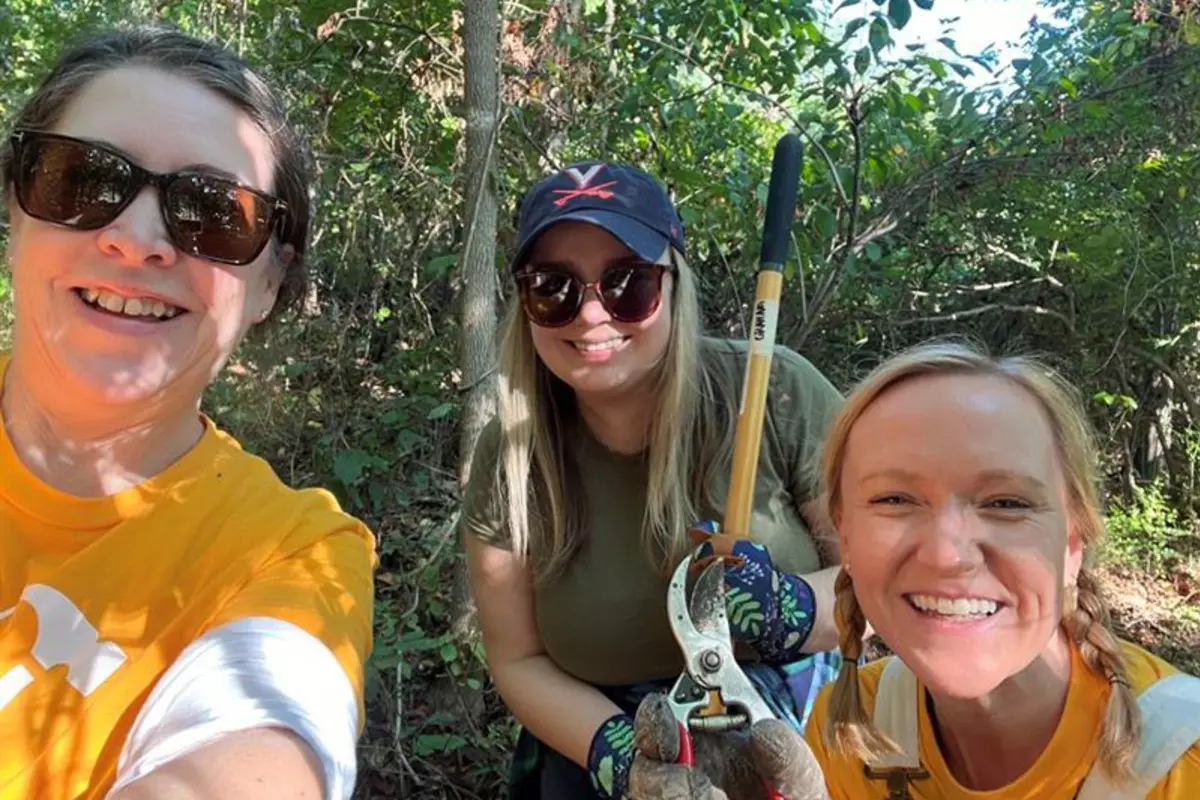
[477, 270]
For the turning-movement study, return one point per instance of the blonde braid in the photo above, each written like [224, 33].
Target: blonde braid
[850, 730]
[1089, 625]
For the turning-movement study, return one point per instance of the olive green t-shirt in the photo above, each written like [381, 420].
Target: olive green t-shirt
[604, 620]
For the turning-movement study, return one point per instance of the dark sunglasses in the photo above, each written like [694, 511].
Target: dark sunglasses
[552, 297]
[85, 185]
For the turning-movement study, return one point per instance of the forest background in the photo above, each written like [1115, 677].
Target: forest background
[1045, 203]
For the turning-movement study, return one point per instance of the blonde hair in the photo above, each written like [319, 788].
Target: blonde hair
[1087, 623]
[534, 468]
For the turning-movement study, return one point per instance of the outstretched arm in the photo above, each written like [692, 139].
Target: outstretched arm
[265, 763]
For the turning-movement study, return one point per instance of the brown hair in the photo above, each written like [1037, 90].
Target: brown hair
[1086, 620]
[213, 67]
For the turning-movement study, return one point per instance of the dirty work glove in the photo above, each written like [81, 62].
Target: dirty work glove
[768, 609]
[729, 766]
[610, 757]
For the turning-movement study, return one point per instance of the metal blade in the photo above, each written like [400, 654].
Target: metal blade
[707, 606]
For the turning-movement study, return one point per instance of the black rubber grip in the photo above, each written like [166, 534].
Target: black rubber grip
[781, 201]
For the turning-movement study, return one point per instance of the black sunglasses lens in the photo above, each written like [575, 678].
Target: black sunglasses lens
[214, 218]
[550, 298]
[71, 183]
[631, 294]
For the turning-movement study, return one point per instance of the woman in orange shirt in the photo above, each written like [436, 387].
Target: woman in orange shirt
[965, 496]
[174, 620]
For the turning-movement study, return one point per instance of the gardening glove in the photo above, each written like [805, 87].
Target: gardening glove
[610, 757]
[768, 609]
[729, 766]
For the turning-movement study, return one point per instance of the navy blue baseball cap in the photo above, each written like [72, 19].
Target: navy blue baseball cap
[623, 200]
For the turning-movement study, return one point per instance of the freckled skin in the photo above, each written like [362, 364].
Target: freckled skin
[951, 485]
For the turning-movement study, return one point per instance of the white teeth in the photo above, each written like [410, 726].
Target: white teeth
[958, 607]
[133, 307]
[598, 347]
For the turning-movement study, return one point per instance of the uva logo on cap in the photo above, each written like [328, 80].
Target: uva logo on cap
[583, 185]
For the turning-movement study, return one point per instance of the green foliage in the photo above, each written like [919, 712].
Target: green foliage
[1147, 532]
[1051, 208]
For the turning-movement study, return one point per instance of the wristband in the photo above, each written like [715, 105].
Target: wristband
[610, 757]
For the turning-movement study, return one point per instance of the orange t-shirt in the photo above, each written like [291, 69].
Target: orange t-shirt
[1057, 774]
[99, 596]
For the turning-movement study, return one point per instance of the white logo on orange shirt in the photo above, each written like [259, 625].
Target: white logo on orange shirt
[64, 638]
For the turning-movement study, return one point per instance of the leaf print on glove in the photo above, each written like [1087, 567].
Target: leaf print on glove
[610, 757]
[768, 609]
[745, 614]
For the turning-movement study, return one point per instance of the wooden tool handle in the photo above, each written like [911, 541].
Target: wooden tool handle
[781, 207]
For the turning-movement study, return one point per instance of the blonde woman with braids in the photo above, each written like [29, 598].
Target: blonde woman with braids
[964, 495]
[614, 435]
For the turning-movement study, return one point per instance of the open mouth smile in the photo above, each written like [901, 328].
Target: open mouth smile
[965, 609]
[147, 309]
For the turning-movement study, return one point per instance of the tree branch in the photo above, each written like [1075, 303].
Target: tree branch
[975, 312]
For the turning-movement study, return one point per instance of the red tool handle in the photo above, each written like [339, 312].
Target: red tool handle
[687, 757]
[770, 790]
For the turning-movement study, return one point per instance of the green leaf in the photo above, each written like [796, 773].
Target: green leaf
[430, 743]
[873, 252]
[1021, 64]
[899, 12]
[825, 221]
[437, 268]
[1191, 31]
[854, 27]
[924, 5]
[1068, 87]
[448, 652]
[348, 466]
[440, 411]
[879, 35]
[862, 60]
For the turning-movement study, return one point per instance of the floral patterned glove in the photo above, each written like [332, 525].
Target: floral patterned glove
[768, 609]
[610, 757]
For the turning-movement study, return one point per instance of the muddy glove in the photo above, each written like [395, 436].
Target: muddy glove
[768, 609]
[729, 766]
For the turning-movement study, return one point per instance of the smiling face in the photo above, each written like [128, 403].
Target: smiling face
[118, 316]
[954, 520]
[595, 354]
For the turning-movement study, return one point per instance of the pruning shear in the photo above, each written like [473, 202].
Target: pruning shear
[712, 693]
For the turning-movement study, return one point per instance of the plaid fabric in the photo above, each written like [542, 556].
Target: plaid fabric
[539, 773]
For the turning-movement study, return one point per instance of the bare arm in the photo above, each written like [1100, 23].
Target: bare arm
[558, 709]
[265, 763]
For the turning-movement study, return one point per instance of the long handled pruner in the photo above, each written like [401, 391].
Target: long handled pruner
[713, 693]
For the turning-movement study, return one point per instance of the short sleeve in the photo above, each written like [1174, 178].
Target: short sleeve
[321, 580]
[483, 513]
[1183, 782]
[805, 408]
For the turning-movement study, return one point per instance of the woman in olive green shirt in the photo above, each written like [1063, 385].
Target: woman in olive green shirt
[613, 436]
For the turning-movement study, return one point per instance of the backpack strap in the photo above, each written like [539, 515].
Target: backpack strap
[1170, 710]
[896, 702]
